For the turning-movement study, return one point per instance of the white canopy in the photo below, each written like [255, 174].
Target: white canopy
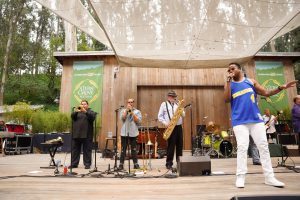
[182, 33]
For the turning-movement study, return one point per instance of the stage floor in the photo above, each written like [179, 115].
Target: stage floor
[22, 178]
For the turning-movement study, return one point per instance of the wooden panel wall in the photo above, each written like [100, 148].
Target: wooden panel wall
[148, 86]
[206, 101]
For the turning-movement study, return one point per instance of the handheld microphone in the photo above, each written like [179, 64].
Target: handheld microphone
[188, 105]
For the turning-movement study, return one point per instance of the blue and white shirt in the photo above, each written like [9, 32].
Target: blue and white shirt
[244, 108]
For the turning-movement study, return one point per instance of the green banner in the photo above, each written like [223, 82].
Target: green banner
[270, 75]
[87, 84]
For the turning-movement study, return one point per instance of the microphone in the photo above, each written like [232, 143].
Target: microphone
[188, 105]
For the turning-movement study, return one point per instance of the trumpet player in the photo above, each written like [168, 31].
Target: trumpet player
[165, 114]
[82, 134]
[131, 118]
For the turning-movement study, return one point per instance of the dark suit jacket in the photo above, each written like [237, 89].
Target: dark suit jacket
[83, 124]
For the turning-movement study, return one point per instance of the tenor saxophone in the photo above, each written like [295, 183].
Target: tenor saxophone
[174, 120]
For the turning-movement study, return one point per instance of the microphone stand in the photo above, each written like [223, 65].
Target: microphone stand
[70, 173]
[116, 144]
[95, 147]
[115, 169]
[128, 150]
[191, 115]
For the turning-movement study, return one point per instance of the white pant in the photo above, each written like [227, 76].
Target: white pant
[258, 133]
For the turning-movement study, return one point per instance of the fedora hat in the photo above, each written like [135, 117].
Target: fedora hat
[172, 93]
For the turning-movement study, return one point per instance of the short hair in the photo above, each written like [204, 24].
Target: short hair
[130, 98]
[236, 64]
[296, 97]
[84, 101]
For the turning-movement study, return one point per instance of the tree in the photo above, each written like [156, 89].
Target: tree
[13, 10]
[290, 42]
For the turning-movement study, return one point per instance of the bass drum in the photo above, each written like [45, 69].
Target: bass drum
[224, 147]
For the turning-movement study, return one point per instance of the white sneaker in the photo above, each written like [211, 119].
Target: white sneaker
[240, 181]
[274, 182]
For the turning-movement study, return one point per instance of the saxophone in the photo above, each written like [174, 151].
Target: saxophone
[174, 120]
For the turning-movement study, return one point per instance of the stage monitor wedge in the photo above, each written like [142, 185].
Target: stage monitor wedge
[266, 197]
[194, 165]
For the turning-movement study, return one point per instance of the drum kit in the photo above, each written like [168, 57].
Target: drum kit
[215, 142]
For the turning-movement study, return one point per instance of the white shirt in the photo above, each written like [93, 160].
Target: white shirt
[163, 116]
[272, 123]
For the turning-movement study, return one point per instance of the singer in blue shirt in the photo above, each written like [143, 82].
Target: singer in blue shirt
[241, 92]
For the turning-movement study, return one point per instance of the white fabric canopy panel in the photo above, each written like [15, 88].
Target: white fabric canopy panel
[184, 34]
[75, 13]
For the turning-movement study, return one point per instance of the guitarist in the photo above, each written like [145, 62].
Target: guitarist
[270, 121]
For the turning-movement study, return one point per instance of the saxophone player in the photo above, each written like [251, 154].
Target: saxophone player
[165, 114]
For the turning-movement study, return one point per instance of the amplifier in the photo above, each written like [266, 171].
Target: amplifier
[194, 165]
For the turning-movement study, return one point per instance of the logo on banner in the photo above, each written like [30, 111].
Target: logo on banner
[86, 89]
[271, 84]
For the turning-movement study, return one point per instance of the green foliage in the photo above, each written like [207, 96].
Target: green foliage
[31, 88]
[50, 121]
[286, 114]
[20, 114]
[290, 42]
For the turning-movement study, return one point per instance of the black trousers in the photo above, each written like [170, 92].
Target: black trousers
[87, 145]
[124, 144]
[174, 141]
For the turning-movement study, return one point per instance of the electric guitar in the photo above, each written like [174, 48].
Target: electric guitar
[267, 125]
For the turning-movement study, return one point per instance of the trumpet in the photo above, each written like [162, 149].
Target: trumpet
[53, 141]
[79, 108]
[129, 110]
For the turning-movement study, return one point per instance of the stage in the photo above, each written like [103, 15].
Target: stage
[22, 178]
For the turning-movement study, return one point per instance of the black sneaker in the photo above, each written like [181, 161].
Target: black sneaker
[256, 163]
[136, 166]
[121, 167]
[168, 166]
[87, 167]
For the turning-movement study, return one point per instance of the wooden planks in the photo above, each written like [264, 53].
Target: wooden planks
[148, 86]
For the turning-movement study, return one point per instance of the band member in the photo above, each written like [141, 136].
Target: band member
[246, 120]
[82, 134]
[165, 114]
[270, 121]
[254, 152]
[131, 118]
[296, 118]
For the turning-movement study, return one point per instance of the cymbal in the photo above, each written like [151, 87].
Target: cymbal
[213, 128]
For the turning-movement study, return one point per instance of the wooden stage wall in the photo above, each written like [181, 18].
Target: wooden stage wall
[149, 86]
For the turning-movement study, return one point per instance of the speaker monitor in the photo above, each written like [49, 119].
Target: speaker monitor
[287, 138]
[194, 165]
[271, 197]
[276, 151]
